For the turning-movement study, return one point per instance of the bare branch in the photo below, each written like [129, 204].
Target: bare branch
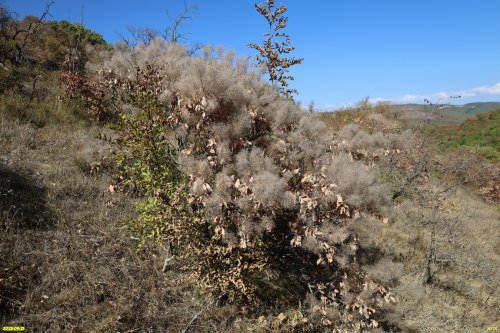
[172, 33]
[139, 35]
[31, 30]
[201, 311]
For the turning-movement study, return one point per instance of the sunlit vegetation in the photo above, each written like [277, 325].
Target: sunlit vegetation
[146, 187]
[480, 134]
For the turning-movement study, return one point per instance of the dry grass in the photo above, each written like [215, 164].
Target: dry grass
[42, 106]
[440, 250]
[68, 266]
[71, 267]
[462, 294]
[380, 116]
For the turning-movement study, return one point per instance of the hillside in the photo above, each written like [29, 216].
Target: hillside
[187, 195]
[414, 114]
[481, 133]
[471, 109]
[448, 114]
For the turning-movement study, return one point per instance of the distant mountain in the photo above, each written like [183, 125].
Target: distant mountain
[471, 109]
[444, 115]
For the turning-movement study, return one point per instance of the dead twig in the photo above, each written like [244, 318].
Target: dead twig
[201, 311]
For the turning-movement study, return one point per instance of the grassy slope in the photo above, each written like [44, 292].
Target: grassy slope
[481, 133]
[67, 264]
[70, 265]
[461, 295]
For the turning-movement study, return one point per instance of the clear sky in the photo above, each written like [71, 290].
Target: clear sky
[399, 50]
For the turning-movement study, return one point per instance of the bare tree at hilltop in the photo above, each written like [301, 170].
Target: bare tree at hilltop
[172, 32]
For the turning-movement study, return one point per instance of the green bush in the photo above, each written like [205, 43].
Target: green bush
[146, 163]
[78, 32]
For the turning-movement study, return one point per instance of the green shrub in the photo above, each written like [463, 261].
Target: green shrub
[78, 32]
[146, 163]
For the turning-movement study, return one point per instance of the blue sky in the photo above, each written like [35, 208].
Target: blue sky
[399, 50]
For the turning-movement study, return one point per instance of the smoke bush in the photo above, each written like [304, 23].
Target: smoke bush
[264, 178]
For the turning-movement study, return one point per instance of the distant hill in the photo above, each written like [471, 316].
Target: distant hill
[467, 111]
[411, 115]
[446, 115]
[481, 133]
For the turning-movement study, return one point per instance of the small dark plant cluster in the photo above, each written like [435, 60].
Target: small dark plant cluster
[77, 86]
